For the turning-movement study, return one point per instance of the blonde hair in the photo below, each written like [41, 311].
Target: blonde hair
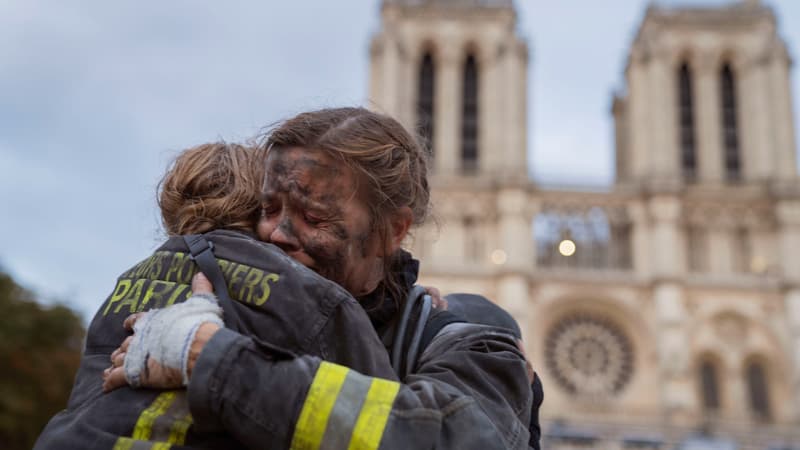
[212, 186]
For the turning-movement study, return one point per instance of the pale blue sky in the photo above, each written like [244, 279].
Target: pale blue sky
[96, 97]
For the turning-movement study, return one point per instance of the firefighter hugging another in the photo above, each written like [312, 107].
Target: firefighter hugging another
[312, 297]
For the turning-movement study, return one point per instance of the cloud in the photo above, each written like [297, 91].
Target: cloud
[96, 97]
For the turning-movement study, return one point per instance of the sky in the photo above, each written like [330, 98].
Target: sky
[97, 97]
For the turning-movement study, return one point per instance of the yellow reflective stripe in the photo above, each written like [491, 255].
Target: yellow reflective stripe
[317, 407]
[177, 434]
[126, 443]
[374, 414]
[123, 443]
[144, 426]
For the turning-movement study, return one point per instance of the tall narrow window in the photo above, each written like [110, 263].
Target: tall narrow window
[686, 123]
[469, 117]
[757, 387]
[730, 132]
[425, 99]
[709, 387]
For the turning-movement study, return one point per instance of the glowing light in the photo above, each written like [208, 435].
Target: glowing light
[758, 265]
[498, 257]
[567, 247]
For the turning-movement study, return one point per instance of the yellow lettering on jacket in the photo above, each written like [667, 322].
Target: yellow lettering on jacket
[133, 297]
[122, 288]
[178, 291]
[250, 282]
[155, 291]
[237, 276]
[174, 267]
[163, 280]
[266, 288]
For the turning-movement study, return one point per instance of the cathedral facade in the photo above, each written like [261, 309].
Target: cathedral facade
[665, 311]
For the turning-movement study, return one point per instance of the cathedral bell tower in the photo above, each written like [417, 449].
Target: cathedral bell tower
[708, 99]
[455, 71]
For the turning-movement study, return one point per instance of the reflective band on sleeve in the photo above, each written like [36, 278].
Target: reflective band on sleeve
[317, 407]
[165, 422]
[126, 443]
[344, 409]
[144, 426]
[371, 422]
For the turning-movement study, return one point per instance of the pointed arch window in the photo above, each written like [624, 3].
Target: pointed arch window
[469, 117]
[709, 385]
[758, 390]
[686, 123]
[730, 131]
[425, 99]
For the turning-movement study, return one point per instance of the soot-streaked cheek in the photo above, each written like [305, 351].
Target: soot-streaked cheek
[329, 255]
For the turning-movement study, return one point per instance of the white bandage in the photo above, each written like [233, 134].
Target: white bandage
[166, 335]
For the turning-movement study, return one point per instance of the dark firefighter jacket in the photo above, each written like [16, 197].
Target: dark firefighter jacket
[469, 389]
[277, 301]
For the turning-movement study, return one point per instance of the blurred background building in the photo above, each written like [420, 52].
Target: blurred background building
[664, 311]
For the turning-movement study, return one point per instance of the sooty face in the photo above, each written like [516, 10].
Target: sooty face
[311, 209]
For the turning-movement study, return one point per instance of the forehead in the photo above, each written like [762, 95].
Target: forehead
[307, 171]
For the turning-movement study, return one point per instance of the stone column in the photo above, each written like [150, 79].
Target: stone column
[516, 126]
[639, 119]
[408, 77]
[513, 296]
[515, 229]
[490, 110]
[788, 213]
[388, 81]
[792, 303]
[447, 134]
[755, 118]
[517, 242]
[677, 390]
[641, 248]
[663, 143]
[783, 116]
[708, 121]
[667, 240]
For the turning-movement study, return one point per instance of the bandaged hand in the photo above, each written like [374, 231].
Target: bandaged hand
[165, 343]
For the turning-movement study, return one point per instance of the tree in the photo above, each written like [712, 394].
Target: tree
[40, 350]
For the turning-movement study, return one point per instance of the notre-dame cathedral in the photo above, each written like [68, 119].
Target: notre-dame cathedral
[664, 313]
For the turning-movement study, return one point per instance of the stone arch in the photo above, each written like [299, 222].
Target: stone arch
[739, 335]
[760, 386]
[623, 315]
[711, 399]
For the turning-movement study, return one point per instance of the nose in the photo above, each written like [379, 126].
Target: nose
[283, 235]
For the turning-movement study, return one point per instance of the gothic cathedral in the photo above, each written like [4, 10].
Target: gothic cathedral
[665, 311]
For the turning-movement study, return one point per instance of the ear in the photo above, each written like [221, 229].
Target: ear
[399, 224]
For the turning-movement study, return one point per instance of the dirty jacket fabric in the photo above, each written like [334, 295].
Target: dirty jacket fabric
[468, 390]
[277, 300]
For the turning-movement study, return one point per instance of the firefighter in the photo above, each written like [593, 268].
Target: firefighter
[210, 189]
[343, 188]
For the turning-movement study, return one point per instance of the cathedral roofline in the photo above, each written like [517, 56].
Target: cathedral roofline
[507, 4]
[737, 14]
[734, 14]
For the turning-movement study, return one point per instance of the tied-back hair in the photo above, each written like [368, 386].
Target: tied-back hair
[212, 186]
[390, 164]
